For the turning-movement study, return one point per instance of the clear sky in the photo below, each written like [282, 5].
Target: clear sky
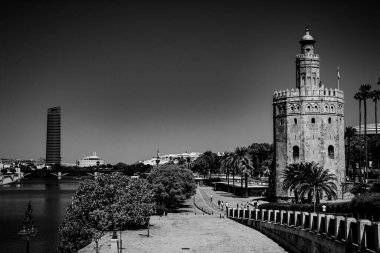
[132, 77]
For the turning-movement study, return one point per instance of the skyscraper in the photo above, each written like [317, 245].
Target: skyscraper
[53, 136]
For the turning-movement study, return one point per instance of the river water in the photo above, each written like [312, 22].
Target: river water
[49, 198]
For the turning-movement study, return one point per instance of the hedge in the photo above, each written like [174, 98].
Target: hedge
[339, 208]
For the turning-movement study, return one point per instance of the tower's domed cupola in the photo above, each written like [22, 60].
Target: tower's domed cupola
[307, 38]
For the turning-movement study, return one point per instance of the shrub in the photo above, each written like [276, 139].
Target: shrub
[359, 189]
[341, 207]
[375, 188]
[366, 205]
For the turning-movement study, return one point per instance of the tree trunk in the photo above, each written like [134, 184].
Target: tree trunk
[233, 181]
[360, 140]
[228, 181]
[365, 139]
[348, 156]
[376, 115]
[241, 184]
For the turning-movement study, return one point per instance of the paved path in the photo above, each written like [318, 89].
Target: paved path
[191, 230]
[205, 192]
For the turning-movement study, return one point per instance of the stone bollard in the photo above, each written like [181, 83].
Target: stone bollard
[305, 220]
[276, 216]
[290, 222]
[270, 212]
[297, 219]
[339, 228]
[321, 223]
[283, 220]
[330, 225]
[313, 222]
[347, 230]
[361, 238]
[377, 235]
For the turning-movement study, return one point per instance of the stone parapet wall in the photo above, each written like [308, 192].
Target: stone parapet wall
[322, 92]
[304, 232]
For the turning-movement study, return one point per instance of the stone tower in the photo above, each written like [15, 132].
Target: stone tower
[308, 122]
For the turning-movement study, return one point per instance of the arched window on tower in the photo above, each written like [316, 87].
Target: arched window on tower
[302, 79]
[295, 121]
[296, 153]
[329, 120]
[312, 120]
[331, 152]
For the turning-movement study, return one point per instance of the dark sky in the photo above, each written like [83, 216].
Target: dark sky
[132, 77]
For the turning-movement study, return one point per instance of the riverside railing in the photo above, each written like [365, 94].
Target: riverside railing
[346, 233]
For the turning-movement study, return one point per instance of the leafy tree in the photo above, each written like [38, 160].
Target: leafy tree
[99, 205]
[172, 185]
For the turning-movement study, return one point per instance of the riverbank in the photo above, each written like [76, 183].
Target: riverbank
[192, 231]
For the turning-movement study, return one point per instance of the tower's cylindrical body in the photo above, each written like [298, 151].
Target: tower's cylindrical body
[308, 122]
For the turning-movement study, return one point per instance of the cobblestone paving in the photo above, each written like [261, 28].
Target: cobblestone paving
[192, 231]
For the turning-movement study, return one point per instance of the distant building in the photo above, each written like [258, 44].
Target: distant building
[174, 158]
[53, 136]
[371, 129]
[90, 161]
[308, 122]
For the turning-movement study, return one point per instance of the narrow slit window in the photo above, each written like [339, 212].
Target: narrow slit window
[296, 153]
[331, 152]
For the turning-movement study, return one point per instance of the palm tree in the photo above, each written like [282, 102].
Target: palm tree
[225, 161]
[349, 133]
[206, 161]
[291, 176]
[366, 94]
[242, 161]
[358, 96]
[316, 180]
[375, 95]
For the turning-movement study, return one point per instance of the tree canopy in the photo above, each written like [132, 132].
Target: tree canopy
[99, 205]
[172, 185]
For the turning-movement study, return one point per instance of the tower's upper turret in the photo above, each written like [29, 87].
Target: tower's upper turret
[307, 43]
[307, 63]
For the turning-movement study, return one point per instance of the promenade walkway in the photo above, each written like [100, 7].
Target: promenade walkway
[190, 230]
[204, 195]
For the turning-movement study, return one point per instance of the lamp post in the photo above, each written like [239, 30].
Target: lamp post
[28, 230]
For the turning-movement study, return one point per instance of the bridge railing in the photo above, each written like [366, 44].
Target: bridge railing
[360, 234]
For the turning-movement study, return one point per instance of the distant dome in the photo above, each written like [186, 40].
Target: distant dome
[307, 36]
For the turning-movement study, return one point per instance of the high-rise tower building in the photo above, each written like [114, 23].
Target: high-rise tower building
[53, 137]
[308, 122]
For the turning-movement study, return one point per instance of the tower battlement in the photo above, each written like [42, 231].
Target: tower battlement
[322, 92]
